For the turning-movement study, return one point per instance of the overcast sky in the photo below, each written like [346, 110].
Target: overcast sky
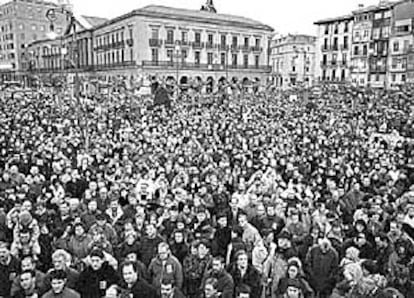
[290, 16]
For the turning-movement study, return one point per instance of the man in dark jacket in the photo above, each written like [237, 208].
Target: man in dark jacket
[225, 284]
[9, 266]
[322, 266]
[95, 279]
[136, 286]
[149, 244]
[244, 273]
[169, 290]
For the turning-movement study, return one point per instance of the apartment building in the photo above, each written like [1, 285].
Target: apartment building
[333, 49]
[293, 60]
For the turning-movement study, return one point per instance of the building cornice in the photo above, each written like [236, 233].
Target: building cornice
[181, 18]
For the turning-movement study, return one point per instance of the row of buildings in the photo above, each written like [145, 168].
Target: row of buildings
[372, 46]
[181, 44]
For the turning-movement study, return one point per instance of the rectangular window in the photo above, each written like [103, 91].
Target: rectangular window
[170, 36]
[223, 58]
[197, 57]
[184, 37]
[246, 61]
[234, 41]
[210, 38]
[170, 55]
[396, 46]
[246, 41]
[257, 42]
[223, 40]
[210, 58]
[154, 55]
[197, 37]
[256, 60]
[184, 55]
[234, 59]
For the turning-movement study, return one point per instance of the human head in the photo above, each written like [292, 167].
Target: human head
[210, 288]
[27, 263]
[242, 259]
[97, 258]
[167, 288]
[61, 259]
[218, 264]
[163, 251]
[58, 279]
[4, 252]
[27, 279]
[130, 273]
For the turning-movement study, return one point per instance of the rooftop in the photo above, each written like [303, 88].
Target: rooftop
[158, 11]
[335, 19]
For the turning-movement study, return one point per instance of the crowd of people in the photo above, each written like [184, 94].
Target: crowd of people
[264, 195]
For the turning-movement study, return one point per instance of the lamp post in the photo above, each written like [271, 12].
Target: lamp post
[177, 50]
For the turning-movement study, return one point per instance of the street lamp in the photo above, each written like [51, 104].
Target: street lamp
[177, 56]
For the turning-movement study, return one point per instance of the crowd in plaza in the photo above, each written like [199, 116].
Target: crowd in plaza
[241, 195]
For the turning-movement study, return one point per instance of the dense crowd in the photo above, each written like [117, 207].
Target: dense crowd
[228, 195]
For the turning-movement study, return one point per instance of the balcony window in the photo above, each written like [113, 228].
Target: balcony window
[197, 57]
[184, 37]
[170, 37]
[246, 42]
[234, 60]
[257, 42]
[234, 41]
[246, 61]
[223, 58]
[223, 40]
[170, 55]
[197, 38]
[210, 58]
[154, 55]
[256, 60]
[210, 38]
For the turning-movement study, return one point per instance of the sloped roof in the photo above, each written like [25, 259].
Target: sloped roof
[95, 21]
[334, 19]
[159, 11]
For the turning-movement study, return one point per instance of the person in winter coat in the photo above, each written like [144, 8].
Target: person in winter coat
[165, 265]
[294, 272]
[244, 273]
[134, 284]
[61, 261]
[322, 267]
[79, 243]
[149, 244]
[169, 290]
[58, 280]
[95, 279]
[225, 284]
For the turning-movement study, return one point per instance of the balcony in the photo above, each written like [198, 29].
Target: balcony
[223, 47]
[203, 67]
[115, 65]
[244, 48]
[234, 48]
[130, 42]
[209, 45]
[335, 47]
[185, 43]
[256, 49]
[344, 47]
[169, 43]
[324, 48]
[197, 45]
[155, 42]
